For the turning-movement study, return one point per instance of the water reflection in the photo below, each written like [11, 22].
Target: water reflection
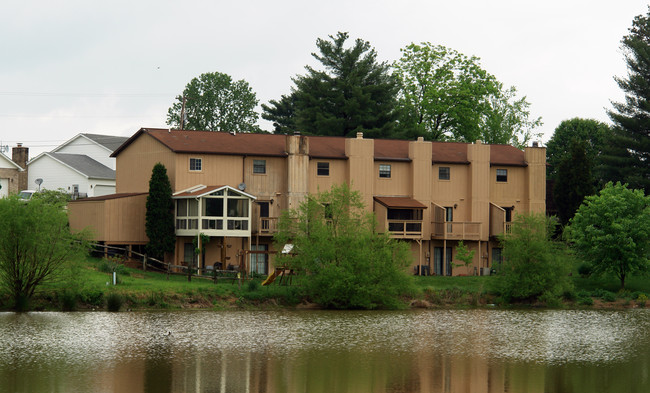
[321, 351]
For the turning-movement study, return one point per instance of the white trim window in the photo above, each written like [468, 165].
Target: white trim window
[196, 164]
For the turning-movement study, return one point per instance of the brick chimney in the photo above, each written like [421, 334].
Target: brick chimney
[20, 155]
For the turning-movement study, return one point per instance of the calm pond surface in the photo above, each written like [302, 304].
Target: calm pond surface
[326, 351]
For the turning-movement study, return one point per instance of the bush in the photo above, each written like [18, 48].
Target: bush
[114, 302]
[586, 301]
[533, 265]
[253, 286]
[641, 300]
[608, 296]
[68, 300]
[584, 270]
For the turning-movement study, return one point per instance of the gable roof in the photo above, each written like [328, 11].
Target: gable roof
[108, 142]
[274, 145]
[201, 190]
[11, 162]
[82, 164]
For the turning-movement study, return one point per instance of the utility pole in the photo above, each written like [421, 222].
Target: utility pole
[183, 114]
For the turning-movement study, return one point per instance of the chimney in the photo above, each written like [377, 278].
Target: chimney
[20, 155]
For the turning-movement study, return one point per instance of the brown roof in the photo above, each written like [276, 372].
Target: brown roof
[210, 142]
[506, 155]
[109, 196]
[400, 202]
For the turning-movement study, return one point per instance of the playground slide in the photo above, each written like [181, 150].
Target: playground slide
[270, 278]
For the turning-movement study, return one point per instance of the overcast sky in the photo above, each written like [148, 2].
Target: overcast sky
[112, 67]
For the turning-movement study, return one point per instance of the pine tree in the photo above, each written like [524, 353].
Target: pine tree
[354, 93]
[160, 214]
[628, 158]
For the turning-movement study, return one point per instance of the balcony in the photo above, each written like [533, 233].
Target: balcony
[500, 220]
[405, 229]
[456, 230]
[266, 226]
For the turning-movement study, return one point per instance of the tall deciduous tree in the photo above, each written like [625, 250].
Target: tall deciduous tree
[447, 95]
[592, 133]
[611, 231]
[628, 159]
[344, 262]
[352, 93]
[159, 217]
[573, 181]
[35, 244]
[214, 102]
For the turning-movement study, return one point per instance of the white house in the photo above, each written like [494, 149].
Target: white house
[81, 166]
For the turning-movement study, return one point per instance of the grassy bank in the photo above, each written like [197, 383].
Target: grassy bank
[86, 285]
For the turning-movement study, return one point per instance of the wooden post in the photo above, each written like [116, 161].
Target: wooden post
[144, 263]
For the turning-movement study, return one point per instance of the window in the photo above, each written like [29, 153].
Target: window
[259, 262]
[259, 166]
[443, 173]
[195, 164]
[404, 214]
[502, 175]
[323, 168]
[497, 258]
[384, 171]
[188, 253]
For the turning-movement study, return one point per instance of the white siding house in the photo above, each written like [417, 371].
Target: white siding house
[81, 166]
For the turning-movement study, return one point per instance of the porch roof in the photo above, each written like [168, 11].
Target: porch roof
[201, 190]
[400, 202]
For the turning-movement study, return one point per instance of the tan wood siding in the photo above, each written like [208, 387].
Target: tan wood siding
[134, 164]
[399, 183]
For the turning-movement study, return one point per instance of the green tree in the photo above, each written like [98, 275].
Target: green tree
[534, 267]
[353, 93]
[55, 197]
[592, 133]
[574, 181]
[214, 102]
[627, 158]
[611, 231]
[35, 246]
[464, 255]
[447, 95]
[159, 217]
[344, 263]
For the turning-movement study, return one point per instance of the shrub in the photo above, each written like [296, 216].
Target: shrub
[68, 300]
[584, 270]
[641, 300]
[114, 302]
[533, 265]
[253, 286]
[585, 301]
[608, 296]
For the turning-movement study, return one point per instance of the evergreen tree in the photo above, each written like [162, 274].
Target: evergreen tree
[628, 158]
[160, 214]
[573, 181]
[354, 93]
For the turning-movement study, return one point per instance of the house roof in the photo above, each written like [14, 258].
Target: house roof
[400, 202]
[108, 142]
[84, 165]
[210, 142]
[202, 190]
[9, 161]
[109, 197]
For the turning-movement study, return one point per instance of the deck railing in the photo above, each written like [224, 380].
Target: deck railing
[456, 230]
[405, 228]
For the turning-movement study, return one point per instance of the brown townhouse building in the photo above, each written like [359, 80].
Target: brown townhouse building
[232, 188]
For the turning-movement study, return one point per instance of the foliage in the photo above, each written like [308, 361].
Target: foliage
[53, 197]
[215, 102]
[159, 217]
[464, 255]
[345, 263]
[593, 135]
[114, 301]
[534, 267]
[627, 158]
[353, 93]
[574, 181]
[611, 231]
[35, 246]
[447, 95]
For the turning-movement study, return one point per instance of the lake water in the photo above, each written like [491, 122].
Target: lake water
[326, 351]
